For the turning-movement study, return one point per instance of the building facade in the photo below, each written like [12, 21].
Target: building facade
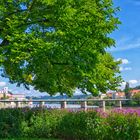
[6, 94]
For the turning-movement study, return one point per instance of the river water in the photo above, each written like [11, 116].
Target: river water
[76, 106]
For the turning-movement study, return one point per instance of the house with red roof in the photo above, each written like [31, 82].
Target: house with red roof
[134, 91]
[116, 95]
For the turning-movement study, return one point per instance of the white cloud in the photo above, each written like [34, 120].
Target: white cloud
[2, 84]
[122, 86]
[124, 61]
[126, 44]
[123, 83]
[128, 47]
[125, 68]
[133, 82]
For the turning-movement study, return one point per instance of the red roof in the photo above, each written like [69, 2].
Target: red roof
[134, 91]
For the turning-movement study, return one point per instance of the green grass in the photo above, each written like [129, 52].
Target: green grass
[28, 139]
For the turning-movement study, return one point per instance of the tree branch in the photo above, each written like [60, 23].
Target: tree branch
[32, 4]
[4, 43]
[14, 12]
[17, 11]
[58, 63]
[32, 22]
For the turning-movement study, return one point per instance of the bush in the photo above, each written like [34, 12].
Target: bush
[82, 126]
[123, 126]
[27, 122]
[41, 123]
[10, 120]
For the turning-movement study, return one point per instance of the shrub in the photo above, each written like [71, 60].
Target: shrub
[80, 125]
[10, 120]
[123, 126]
[43, 125]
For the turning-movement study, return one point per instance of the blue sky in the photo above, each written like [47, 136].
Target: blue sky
[127, 46]
[128, 40]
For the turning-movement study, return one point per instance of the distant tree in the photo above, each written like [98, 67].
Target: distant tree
[137, 87]
[59, 45]
[127, 91]
[136, 97]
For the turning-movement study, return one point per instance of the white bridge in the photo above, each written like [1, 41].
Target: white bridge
[63, 103]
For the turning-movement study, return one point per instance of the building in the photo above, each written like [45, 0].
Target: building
[6, 94]
[116, 95]
[102, 96]
[134, 91]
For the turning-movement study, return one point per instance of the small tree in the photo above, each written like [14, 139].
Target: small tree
[127, 91]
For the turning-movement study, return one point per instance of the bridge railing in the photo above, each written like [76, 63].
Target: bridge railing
[63, 102]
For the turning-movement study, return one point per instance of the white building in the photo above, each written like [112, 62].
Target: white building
[4, 93]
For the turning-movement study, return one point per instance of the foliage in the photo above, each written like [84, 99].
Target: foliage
[43, 125]
[123, 125]
[82, 126]
[30, 123]
[137, 87]
[10, 122]
[73, 125]
[127, 91]
[59, 45]
[96, 103]
[109, 103]
[136, 97]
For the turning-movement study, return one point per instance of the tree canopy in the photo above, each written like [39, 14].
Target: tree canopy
[59, 45]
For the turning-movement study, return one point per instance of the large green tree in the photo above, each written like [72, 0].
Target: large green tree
[59, 45]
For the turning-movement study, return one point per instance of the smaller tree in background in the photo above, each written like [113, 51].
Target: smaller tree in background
[137, 87]
[136, 97]
[127, 91]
